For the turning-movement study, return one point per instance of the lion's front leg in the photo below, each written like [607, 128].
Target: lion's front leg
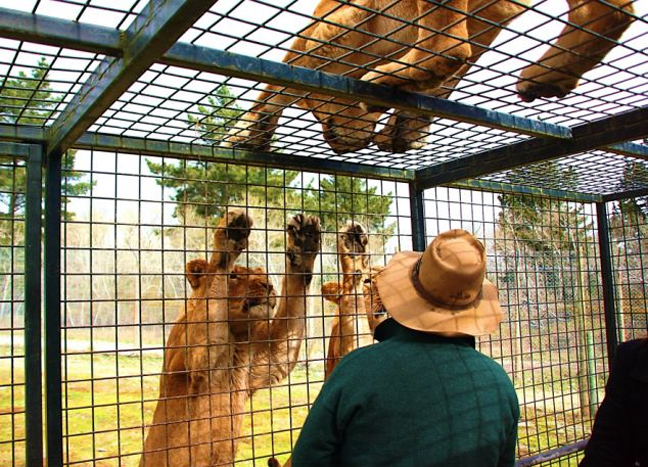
[214, 404]
[351, 328]
[276, 352]
[207, 314]
[256, 128]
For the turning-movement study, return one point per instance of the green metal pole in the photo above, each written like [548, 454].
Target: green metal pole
[52, 283]
[418, 217]
[607, 278]
[33, 360]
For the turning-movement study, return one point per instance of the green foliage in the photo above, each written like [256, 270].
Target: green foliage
[218, 117]
[29, 100]
[543, 225]
[205, 188]
[632, 212]
[339, 199]
[208, 187]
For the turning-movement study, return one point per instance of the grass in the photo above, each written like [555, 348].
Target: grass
[107, 402]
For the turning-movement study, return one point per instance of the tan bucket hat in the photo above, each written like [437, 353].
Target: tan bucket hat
[443, 289]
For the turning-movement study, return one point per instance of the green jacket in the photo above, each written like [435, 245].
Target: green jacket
[413, 400]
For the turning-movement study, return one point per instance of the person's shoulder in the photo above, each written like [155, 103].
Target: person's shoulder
[495, 368]
[363, 358]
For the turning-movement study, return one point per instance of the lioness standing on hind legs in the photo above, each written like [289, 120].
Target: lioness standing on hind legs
[228, 344]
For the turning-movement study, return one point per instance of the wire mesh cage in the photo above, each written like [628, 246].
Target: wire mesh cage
[132, 128]
[12, 383]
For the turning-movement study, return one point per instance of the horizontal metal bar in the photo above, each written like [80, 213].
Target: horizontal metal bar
[241, 66]
[154, 30]
[23, 133]
[257, 69]
[551, 454]
[90, 140]
[639, 151]
[598, 134]
[500, 187]
[30, 134]
[42, 29]
[21, 151]
[215, 154]
[638, 193]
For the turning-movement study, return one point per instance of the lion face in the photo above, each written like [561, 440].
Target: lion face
[251, 295]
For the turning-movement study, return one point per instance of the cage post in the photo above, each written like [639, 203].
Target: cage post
[607, 278]
[52, 286]
[418, 217]
[33, 360]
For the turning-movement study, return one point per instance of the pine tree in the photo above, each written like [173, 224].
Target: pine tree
[205, 187]
[29, 100]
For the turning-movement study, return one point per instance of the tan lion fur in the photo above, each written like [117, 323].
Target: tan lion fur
[349, 38]
[228, 344]
[349, 329]
[359, 307]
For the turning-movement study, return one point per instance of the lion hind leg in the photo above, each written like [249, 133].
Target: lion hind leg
[593, 30]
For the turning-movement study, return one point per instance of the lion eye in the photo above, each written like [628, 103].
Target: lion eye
[233, 275]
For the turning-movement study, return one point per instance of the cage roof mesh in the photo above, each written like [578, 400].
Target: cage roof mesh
[174, 101]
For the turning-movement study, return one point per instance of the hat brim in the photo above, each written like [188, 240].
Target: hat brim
[405, 305]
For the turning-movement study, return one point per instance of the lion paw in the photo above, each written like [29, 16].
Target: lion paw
[304, 242]
[352, 248]
[529, 91]
[403, 132]
[251, 132]
[195, 271]
[231, 237]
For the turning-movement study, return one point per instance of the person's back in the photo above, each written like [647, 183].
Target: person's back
[423, 396]
[415, 399]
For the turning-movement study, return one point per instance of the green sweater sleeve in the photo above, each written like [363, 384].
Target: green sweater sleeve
[507, 456]
[319, 442]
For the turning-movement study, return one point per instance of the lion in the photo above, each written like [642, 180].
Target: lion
[228, 344]
[360, 307]
[420, 46]
[359, 313]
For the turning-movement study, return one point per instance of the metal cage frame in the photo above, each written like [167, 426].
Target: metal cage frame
[149, 35]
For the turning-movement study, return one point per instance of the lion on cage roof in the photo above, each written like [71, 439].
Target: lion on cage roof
[425, 47]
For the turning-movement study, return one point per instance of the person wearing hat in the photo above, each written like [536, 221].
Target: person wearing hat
[422, 396]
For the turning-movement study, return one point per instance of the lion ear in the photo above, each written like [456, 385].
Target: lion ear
[195, 271]
[332, 291]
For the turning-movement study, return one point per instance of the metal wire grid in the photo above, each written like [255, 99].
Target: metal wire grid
[628, 244]
[40, 80]
[596, 172]
[110, 388]
[133, 115]
[113, 14]
[124, 286]
[552, 341]
[159, 105]
[12, 314]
